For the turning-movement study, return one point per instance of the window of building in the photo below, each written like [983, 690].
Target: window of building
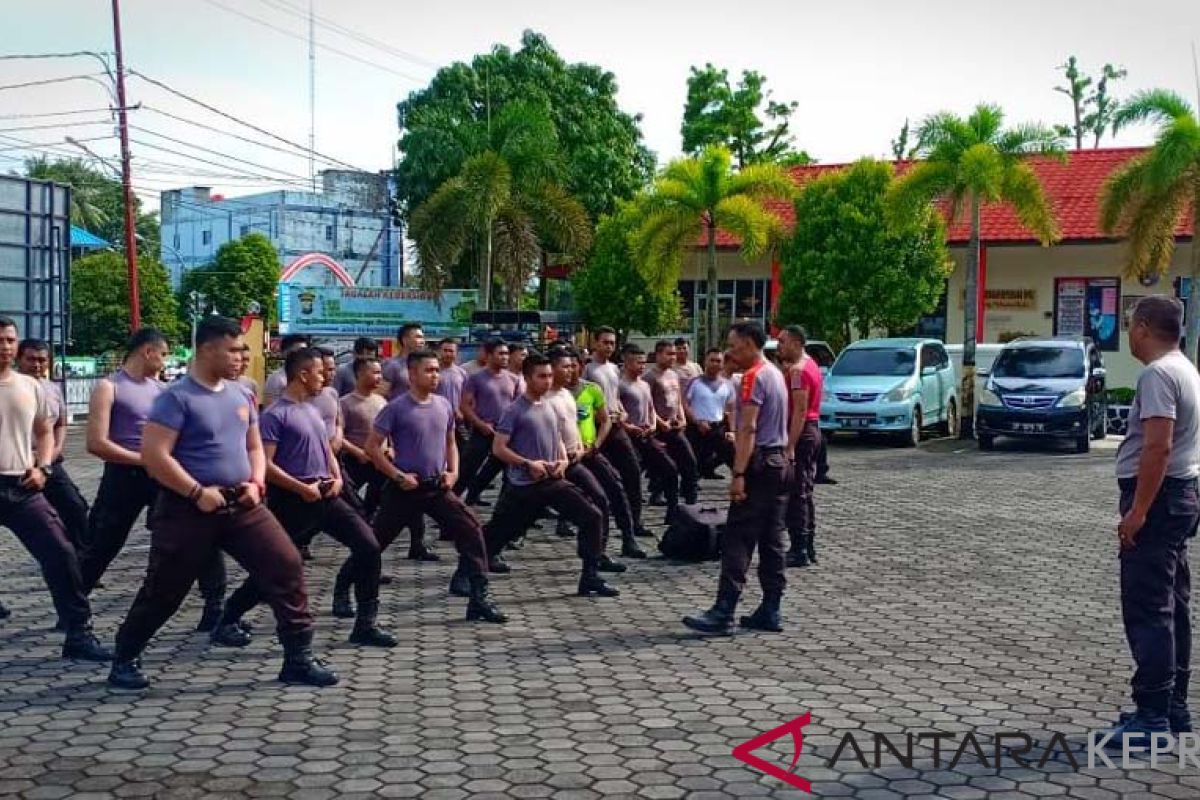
[329, 233]
[206, 237]
[175, 241]
[245, 229]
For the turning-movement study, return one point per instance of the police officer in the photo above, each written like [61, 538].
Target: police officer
[201, 444]
[758, 493]
[277, 381]
[344, 379]
[1157, 468]
[804, 442]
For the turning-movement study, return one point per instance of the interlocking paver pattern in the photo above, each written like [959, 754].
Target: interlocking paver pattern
[957, 592]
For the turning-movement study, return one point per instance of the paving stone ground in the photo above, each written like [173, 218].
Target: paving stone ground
[957, 592]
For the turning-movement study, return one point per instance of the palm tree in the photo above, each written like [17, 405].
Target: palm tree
[969, 162]
[91, 191]
[705, 190]
[505, 207]
[1147, 197]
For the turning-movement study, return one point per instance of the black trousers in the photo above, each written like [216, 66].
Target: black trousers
[802, 513]
[822, 459]
[62, 493]
[478, 468]
[685, 462]
[712, 449]
[302, 521]
[40, 530]
[182, 541]
[458, 523]
[1156, 588]
[520, 506]
[663, 472]
[606, 476]
[619, 450]
[583, 477]
[124, 491]
[358, 477]
[758, 521]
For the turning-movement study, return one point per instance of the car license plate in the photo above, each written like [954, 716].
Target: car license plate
[1029, 427]
[858, 423]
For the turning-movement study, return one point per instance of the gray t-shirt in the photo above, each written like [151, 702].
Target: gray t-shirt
[343, 379]
[395, 372]
[608, 377]
[764, 386]
[1170, 388]
[637, 402]
[533, 431]
[273, 389]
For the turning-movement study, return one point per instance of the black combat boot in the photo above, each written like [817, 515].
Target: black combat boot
[766, 616]
[797, 555]
[365, 631]
[590, 582]
[498, 565]
[481, 606]
[210, 616]
[718, 619]
[342, 607]
[810, 546]
[606, 564]
[229, 634]
[460, 581]
[81, 643]
[643, 532]
[630, 548]
[126, 673]
[300, 665]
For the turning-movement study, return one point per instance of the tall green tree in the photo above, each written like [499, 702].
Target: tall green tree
[846, 270]
[705, 194]
[1104, 107]
[505, 207]
[612, 289]
[1092, 110]
[100, 301]
[1146, 199]
[605, 159]
[244, 271]
[969, 162]
[745, 118]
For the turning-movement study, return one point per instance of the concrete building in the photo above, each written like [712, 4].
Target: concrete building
[348, 221]
[1072, 287]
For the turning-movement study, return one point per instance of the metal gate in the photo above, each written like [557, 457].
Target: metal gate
[35, 258]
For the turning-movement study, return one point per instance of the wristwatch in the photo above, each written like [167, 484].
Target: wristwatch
[47, 470]
[737, 475]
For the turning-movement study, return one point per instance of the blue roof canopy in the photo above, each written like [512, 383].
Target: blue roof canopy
[86, 240]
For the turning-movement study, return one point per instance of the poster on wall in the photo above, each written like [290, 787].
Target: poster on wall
[373, 311]
[1089, 307]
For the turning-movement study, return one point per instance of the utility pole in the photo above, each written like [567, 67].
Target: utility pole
[312, 95]
[135, 304]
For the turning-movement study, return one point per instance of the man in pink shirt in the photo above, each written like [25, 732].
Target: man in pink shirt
[804, 442]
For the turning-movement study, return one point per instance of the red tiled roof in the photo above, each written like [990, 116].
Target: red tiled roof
[1073, 186]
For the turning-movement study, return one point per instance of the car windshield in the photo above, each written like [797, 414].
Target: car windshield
[876, 361]
[1039, 362]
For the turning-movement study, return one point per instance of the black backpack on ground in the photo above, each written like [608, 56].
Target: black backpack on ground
[695, 533]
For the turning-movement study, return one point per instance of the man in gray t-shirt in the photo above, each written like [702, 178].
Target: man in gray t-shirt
[1157, 467]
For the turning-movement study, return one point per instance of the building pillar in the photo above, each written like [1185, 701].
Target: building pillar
[981, 293]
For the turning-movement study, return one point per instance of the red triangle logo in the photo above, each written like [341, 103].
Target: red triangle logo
[744, 752]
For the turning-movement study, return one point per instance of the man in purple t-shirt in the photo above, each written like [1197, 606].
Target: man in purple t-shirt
[411, 337]
[450, 385]
[305, 494]
[486, 396]
[640, 422]
[529, 442]
[201, 444]
[667, 391]
[421, 473]
[758, 493]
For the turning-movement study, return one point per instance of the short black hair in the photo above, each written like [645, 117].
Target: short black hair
[603, 329]
[142, 337]
[518, 347]
[325, 352]
[362, 364]
[298, 360]
[557, 354]
[490, 345]
[1162, 314]
[752, 331]
[36, 345]
[797, 332]
[365, 344]
[448, 340]
[212, 328]
[632, 349]
[407, 328]
[293, 340]
[417, 356]
[682, 342]
[532, 362]
[712, 350]
[662, 344]
[7, 322]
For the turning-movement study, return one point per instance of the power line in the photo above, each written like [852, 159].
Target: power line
[216, 152]
[246, 139]
[242, 122]
[55, 113]
[57, 125]
[153, 146]
[302, 38]
[48, 81]
[350, 33]
[75, 54]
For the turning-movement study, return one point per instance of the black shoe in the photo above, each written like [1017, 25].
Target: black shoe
[422, 554]
[127, 674]
[81, 643]
[656, 499]
[606, 564]
[766, 616]
[797, 558]
[300, 666]
[4, 612]
[630, 548]
[810, 547]
[305, 553]
[342, 607]
[594, 585]
[460, 584]
[1179, 718]
[229, 635]
[718, 619]
[366, 634]
[385, 580]
[564, 529]
[477, 501]
[209, 617]
[481, 607]
[516, 544]
[499, 566]
[825, 480]
[643, 531]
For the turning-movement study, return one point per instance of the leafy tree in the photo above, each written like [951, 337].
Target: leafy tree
[604, 157]
[704, 193]
[504, 207]
[744, 118]
[969, 162]
[1076, 89]
[1146, 198]
[612, 290]
[100, 301]
[1092, 111]
[244, 271]
[900, 145]
[1104, 107]
[845, 269]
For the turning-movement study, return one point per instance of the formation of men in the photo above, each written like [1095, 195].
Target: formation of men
[364, 450]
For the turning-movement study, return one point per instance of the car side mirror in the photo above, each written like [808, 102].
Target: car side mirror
[982, 373]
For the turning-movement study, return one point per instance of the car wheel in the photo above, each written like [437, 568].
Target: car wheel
[913, 437]
[950, 426]
[1083, 442]
[986, 441]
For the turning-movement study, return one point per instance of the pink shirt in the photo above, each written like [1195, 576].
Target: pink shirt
[807, 377]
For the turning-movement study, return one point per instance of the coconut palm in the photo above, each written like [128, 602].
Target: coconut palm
[966, 163]
[1146, 198]
[505, 207]
[92, 193]
[706, 191]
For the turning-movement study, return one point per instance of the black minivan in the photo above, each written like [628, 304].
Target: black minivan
[1044, 387]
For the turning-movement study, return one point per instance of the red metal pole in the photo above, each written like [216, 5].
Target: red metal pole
[135, 304]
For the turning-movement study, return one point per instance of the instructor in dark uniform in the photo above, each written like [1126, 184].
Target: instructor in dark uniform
[758, 493]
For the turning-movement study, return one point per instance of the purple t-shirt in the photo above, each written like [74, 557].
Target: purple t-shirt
[298, 433]
[395, 372]
[637, 402]
[329, 408]
[666, 390]
[273, 389]
[765, 387]
[418, 433]
[493, 393]
[132, 401]
[450, 385]
[212, 426]
[534, 432]
[343, 379]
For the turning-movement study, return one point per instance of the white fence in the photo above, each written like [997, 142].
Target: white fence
[78, 391]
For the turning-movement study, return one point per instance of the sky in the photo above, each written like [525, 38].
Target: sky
[857, 68]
